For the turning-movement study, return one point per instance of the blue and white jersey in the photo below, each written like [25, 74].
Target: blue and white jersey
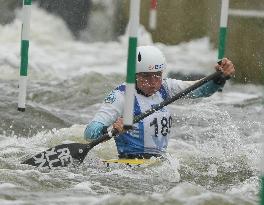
[151, 134]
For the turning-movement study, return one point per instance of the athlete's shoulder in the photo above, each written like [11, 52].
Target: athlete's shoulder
[121, 88]
[116, 94]
[172, 83]
[172, 80]
[175, 86]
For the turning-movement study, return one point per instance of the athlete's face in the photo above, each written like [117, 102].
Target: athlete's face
[149, 82]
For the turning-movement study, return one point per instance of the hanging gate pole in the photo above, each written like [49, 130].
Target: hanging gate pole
[223, 29]
[131, 64]
[153, 15]
[24, 55]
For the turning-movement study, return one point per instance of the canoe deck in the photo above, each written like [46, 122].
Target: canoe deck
[134, 162]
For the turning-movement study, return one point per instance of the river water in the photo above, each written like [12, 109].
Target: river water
[214, 150]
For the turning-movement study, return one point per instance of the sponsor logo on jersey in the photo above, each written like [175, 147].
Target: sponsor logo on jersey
[110, 98]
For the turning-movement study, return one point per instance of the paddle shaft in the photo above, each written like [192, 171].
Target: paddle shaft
[65, 154]
[179, 95]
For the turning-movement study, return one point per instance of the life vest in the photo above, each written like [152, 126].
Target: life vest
[151, 134]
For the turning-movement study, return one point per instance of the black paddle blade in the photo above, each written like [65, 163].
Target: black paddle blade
[60, 156]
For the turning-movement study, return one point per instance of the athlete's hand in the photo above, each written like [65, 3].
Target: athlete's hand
[119, 125]
[226, 67]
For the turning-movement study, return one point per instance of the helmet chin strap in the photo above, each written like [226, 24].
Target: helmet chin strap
[141, 92]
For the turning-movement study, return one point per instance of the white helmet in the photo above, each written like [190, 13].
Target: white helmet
[150, 59]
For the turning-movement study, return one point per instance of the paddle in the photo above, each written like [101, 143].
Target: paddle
[67, 154]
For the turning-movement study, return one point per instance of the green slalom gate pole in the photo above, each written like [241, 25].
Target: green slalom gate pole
[223, 29]
[153, 15]
[262, 188]
[131, 63]
[24, 55]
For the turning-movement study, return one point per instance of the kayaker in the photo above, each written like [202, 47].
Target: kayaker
[150, 136]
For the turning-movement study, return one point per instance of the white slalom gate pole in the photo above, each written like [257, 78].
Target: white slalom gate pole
[246, 13]
[131, 64]
[24, 55]
[153, 15]
[261, 191]
[223, 29]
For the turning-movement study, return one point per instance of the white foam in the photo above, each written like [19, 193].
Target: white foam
[53, 54]
[7, 186]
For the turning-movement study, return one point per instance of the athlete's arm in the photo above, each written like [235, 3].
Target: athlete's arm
[176, 86]
[108, 113]
[208, 88]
